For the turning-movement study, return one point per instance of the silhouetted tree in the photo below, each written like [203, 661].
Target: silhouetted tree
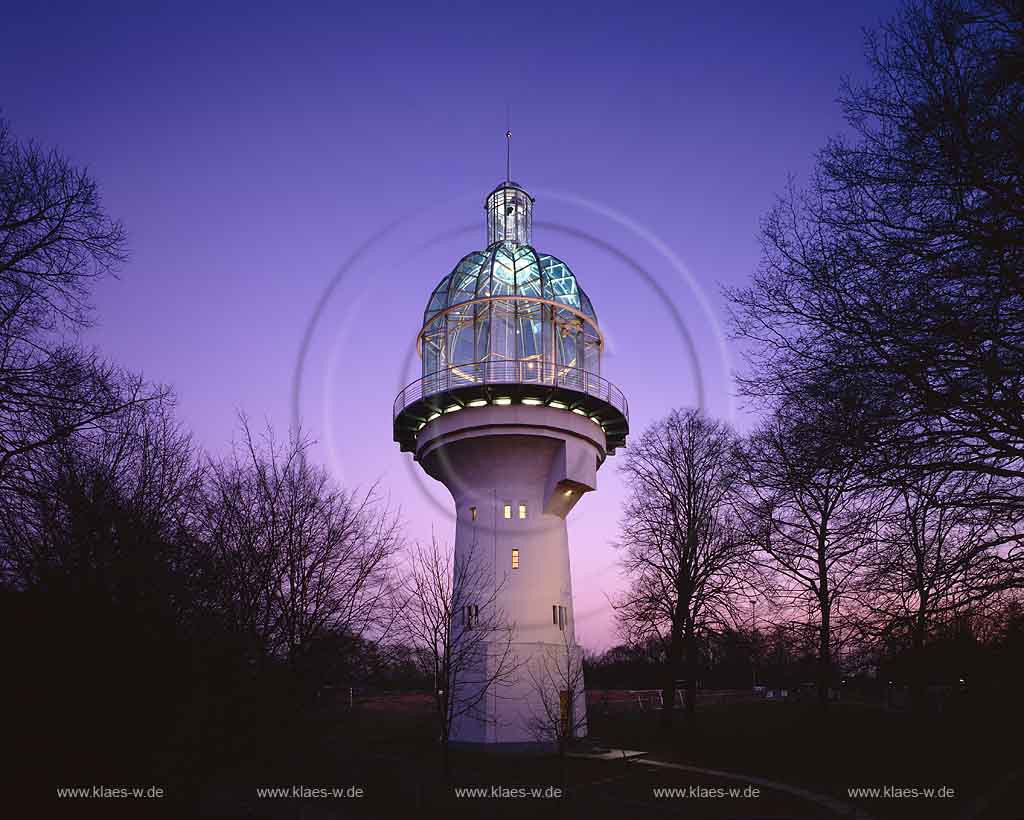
[806, 506]
[108, 509]
[633, 665]
[298, 557]
[55, 239]
[899, 268]
[932, 557]
[115, 600]
[681, 551]
[559, 697]
[447, 607]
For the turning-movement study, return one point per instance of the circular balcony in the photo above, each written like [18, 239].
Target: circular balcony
[506, 382]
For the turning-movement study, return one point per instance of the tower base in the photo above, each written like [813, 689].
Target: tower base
[514, 473]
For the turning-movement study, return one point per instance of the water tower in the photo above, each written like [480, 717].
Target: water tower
[513, 416]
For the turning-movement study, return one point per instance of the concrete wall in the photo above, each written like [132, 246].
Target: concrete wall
[491, 457]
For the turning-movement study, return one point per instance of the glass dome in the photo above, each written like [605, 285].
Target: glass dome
[510, 304]
[510, 325]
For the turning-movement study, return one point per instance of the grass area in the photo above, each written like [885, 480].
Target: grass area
[390, 753]
[852, 745]
[387, 748]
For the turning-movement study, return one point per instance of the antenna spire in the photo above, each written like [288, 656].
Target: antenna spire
[508, 156]
[508, 141]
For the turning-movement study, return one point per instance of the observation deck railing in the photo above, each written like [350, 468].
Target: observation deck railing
[523, 372]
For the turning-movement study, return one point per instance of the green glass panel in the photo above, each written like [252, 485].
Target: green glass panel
[503, 277]
[438, 299]
[559, 282]
[585, 305]
[554, 341]
[528, 280]
[483, 339]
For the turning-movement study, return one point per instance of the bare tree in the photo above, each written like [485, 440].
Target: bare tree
[805, 505]
[559, 696]
[104, 506]
[932, 558]
[680, 551]
[54, 240]
[448, 610]
[300, 557]
[898, 268]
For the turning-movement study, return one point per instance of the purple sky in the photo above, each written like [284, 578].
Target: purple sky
[250, 149]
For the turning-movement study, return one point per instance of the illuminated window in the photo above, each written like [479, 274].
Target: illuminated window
[472, 513]
[471, 615]
[508, 511]
[515, 559]
[558, 616]
[522, 510]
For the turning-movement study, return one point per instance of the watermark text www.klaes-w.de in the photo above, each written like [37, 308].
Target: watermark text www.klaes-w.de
[303, 792]
[705, 792]
[509, 792]
[894, 792]
[111, 792]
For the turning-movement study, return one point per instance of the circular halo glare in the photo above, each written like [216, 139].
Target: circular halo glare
[558, 405]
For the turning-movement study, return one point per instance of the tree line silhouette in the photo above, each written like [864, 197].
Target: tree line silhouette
[878, 499]
[165, 610]
[169, 611]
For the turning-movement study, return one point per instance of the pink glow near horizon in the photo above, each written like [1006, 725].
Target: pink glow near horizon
[250, 151]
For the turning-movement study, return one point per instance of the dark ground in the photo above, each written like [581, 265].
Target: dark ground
[384, 746]
[972, 749]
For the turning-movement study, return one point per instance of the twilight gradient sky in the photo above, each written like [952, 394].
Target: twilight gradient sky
[252, 148]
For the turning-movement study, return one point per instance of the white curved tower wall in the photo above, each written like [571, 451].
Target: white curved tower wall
[535, 462]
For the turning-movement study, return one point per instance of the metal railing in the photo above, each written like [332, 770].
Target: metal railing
[512, 371]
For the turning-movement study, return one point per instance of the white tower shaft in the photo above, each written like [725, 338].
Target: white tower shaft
[514, 474]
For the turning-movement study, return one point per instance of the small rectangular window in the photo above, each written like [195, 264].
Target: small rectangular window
[554, 614]
[472, 513]
[559, 616]
[471, 615]
[515, 559]
[522, 510]
[508, 511]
